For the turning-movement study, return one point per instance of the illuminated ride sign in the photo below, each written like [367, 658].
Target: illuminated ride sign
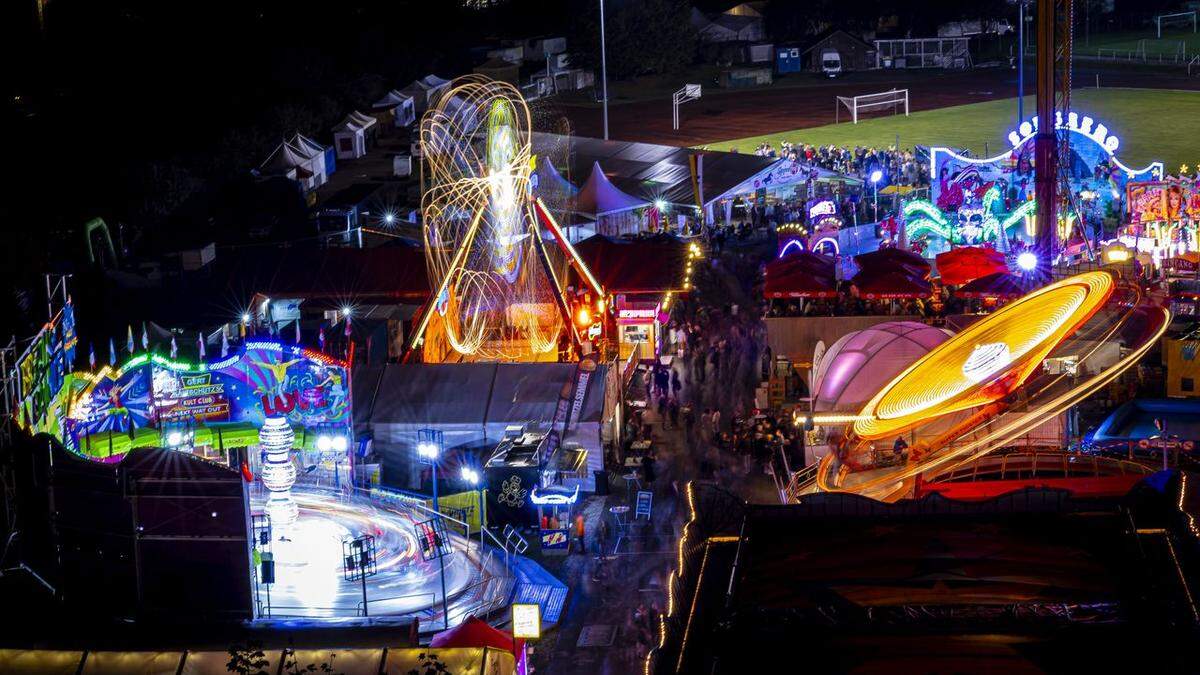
[988, 360]
[262, 379]
[1084, 125]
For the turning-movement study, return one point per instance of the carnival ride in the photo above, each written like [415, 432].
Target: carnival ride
[497, 292]
[983, 388]
[308, 563]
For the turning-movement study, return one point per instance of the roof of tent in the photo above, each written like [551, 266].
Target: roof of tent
[434, 394]
[600, 197]
[355, 120]
[550, 179]
[392, 99]
[655, 171]
[307, 145]
[474, 633]
[646, 265]
[429, 82]
[284, 158]
[477, 394]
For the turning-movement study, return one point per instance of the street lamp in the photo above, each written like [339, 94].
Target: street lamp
[429, 449]
[603, 71]
[1027, 261]
[876, 176]
[471, 476]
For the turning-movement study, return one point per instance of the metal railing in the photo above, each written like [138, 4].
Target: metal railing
[801, 481]
[358, 610]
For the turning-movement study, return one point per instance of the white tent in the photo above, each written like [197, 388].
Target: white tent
[316, 155]
[426, 91]
[352, 134]
[399, 105]
[290, 162]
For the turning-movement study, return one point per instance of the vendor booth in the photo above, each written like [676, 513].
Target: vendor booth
[397, 107]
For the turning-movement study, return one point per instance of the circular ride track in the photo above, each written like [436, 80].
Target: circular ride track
[987, 386]
[309, 578]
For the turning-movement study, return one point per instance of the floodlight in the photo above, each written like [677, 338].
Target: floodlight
[876, 176]
[470, 475]
[1027, 261]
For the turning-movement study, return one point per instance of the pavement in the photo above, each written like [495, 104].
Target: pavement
[599, 632]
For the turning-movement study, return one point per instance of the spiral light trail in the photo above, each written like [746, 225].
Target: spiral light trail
[481, 237]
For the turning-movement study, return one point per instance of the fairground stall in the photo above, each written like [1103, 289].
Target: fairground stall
[991, 201]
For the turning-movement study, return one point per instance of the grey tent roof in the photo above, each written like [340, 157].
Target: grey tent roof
[650, 171]
[527, 392]
[434, 394]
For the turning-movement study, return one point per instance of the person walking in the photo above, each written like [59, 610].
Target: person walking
[676, 384]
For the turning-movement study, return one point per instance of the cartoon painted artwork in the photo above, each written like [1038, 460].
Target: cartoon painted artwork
[263, 379]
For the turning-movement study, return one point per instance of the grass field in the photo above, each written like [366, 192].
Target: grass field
[1175, 40]
[1153, 124]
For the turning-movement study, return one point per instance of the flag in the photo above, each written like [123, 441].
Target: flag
[145, 338]
[200, 343]
[174, 349]
[297, 331]
[112, 353]
[91, 356]
[129, 340]
[224, 345]
[321, 337]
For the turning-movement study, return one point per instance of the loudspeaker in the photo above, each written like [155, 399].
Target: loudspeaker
[268, 571]
[601, 483]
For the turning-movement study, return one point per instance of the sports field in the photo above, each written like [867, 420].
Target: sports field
[1153, 124]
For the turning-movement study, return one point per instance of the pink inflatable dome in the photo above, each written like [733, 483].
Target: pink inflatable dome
[858, 365]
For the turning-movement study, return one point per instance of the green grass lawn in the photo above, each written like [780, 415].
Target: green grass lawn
[1152, 124]
[1127, 41]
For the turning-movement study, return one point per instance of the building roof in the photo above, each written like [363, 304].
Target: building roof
[599, 196]
[826, 34]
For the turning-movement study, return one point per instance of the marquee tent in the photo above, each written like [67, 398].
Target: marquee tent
[397, 104]
[860, 363]
[353, 135]
[471, 404]
[322, 158]
[292, 163]
[891, 285]
[610, 207]
[998, 285]
[425, 91]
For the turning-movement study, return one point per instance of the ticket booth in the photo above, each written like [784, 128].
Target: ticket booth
[637, 327]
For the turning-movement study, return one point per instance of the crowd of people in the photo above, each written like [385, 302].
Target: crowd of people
[944, 304]
[900, 167]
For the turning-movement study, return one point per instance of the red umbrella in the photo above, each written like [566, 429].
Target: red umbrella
[892, 259]
[998, 285]
[799, 285]
[891, 285]
[960, 265]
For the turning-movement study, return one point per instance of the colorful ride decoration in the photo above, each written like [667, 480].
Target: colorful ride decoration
[494, 297]
[262, 379]
[976, 201]
[1160, 218]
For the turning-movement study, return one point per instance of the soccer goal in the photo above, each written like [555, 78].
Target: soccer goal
[868, 102]
[1179, 18]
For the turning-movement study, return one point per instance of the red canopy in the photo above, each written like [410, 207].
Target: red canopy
[801, 275]
[999, 285]
[475, 633]
[891, 285]
[966, 263]
[887, 260]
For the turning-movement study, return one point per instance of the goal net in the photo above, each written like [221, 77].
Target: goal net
[896, 99]
[1182, 19]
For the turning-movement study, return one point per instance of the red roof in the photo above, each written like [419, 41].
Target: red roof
[887, 260]
[651, 265]
[346, 274]
[802, 274]
[966, 263]
[475, 633]
[891, 285]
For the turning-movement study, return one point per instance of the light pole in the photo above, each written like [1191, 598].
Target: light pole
[876, 176]
[471, 476]
[1020, 61]
[603, 71]
[429, 449]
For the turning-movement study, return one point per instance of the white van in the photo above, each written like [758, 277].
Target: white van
[831, 62]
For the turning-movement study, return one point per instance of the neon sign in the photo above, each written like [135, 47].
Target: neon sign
[825, 207]
[1079, 124]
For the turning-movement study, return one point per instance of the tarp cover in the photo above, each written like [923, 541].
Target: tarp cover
[802, 274]
[600, 197]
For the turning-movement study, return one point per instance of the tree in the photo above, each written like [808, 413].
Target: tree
[643, 37]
